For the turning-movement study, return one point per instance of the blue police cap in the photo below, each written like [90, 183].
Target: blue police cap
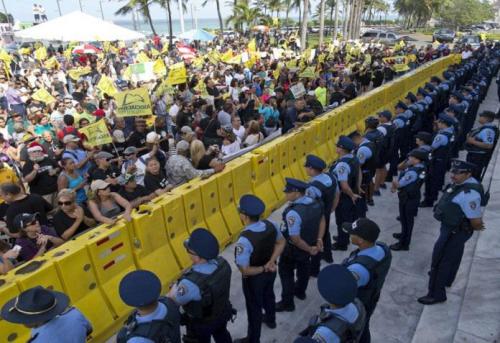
[401, 105]
[337, 285]
[429, 86]
[203, 243]
[294, 185]
[251, 205]
[422, 92]
[313, 161]
[435, 79]
[460, 166]
[386, 114]
[453, 108]
[465, 89]
[457, 95]
[420, 154]
[346, 143]
[426, 137]
[140, 288]
[410, 96]
[487, 114]
[443, 117]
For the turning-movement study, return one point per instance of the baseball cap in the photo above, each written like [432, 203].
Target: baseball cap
[364, 228]
[70, 138]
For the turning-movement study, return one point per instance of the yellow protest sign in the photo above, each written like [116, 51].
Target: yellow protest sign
[106, 85]
[134, 102]
[398, 63]
[309, 72]
[41, 53]
[44, 96]
[159, 67]
[142, 57]
[225, 57]
[51, 63]
[252, 46]
[76, 73]
[96, 133]
[177, 74]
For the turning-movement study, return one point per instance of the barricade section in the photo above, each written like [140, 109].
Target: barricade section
[296, 154]
[150, 244]
[11, 332]
[242, 177]
[261, 180]
[172, 206]
[227, 200]
[193, 205]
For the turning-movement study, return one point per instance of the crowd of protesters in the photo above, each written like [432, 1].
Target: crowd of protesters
[54, 185]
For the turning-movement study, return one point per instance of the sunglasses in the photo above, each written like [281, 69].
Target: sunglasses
[65, 203]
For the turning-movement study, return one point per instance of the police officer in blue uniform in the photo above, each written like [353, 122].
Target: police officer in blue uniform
[377, 137]
[386, 153]
[323, 187]
[428, 116]
[48, 314]
[257, 250]
[343, 317]
[408, 187]
[480, 143]
[203, 291]
[403, 142]
[400, 123]
[348, 173]
[155, 319]
[441, 148]
[369, 264]
[459, 211]
[304, 227]
[418, 109]
[365, 154]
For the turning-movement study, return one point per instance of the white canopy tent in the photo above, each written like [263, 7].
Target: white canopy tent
[78, 26]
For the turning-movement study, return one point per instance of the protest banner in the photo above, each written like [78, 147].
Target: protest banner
[44, 96]
[97, 133]
[134, 102]
[298, 90]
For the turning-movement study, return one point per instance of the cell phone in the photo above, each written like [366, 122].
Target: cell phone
[17, 248]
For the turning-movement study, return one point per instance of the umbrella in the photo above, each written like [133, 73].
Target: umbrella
[197, 34]
[186, 52]
[86, 49]
[262, 28]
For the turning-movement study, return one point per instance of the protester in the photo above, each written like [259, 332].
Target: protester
[71, 218]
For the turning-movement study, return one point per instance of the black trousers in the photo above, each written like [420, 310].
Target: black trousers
[346, 211]
[217, 329]
[327, 247]
[436, 179]
[259, 295]
[293, 260]
[408, 210]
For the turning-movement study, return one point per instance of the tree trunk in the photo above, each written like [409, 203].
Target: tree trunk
[346, 16]
[300, 16]
[336, 24]
[321, 22]
[331, 20]
[150, 21]
[286, 17]
[170, 29]
[303, 32]
[221, 24]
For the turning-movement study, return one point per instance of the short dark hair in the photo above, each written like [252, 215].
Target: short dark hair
[68, 119]
[10, 188]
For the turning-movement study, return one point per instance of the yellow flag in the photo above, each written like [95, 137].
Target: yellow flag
[51, 63]
[107, 86]
[96, 133]
[127, 74]
[198, 62]
[41, 53]
[177, 74]
[142, 57]
[252, 46]
[308, 72]
[44, 96]
[154, 52]
[234, 60]
[135, 102]
[201, 87]
[24, 51]
[76, 73]
[226, 56]
[164, 50]
[4, 56]
[159, 67]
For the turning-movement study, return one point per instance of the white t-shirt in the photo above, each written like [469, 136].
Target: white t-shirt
[174, 109]
[240, 133]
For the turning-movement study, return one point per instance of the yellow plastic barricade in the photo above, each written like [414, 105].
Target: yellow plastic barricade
[242, 177]
[272, 150]
[212, 212]
[296, 154]
[150, 244]
[261, 180]
[284, 160]
[193, 205]
[324, 130]
[177, 230]
[228, 202]
[78, 278]
[11, 332]
[111, 255]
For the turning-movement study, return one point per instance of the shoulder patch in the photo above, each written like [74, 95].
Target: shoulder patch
[318, 338]
[473, 205]
[181, 290]
[291, 220]
[238, 249]
[342, 170]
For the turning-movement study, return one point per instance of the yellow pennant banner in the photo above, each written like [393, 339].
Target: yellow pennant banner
[135, 102]
[177, 74]
[107, 86]
[97, 133]
[44, 96]
[76, 73]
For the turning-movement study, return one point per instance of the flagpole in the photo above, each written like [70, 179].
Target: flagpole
[58, 7]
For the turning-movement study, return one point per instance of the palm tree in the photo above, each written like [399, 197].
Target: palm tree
[142, 6]
[303, 29]
[321, 22]
[244, 16]
[219, 14]
[166, 5]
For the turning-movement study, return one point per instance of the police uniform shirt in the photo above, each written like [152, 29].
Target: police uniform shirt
[487, 134]
[364, 153]
[425, 147]
[349, 313]
[188, 291]
[409, 176]
[342, 170]
[69, 327]
[469, 202]
[408, 114]
[361, 274]
[428, 100]
[441, 139]
[158, 314]
[423, 103]
[382, 130]
[313, 191]
[244, 248]
[444, 86]
[292, 217]
[399, 123]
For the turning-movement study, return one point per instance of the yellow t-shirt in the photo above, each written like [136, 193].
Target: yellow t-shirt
[321, 95]
[7, 175]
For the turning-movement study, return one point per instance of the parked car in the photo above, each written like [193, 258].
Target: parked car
[473, 40]
[443, 35]
[384, 37]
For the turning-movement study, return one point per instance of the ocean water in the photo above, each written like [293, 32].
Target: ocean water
[161, 26]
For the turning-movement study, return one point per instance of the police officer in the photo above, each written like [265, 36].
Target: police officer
[347, 171]
[323, 187]
[155, 319]
[343, 317]
[426, 101]
[304, 227]
[48, 314]
[257, 250]
[459, 211]
[370, 264]
[365, 154]
[418, 108]
[373, 134]
[424, 140]
[403, 141]
[480, 143]
[388, 130]
[408, 187]
[203, 291]
[441, 148]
